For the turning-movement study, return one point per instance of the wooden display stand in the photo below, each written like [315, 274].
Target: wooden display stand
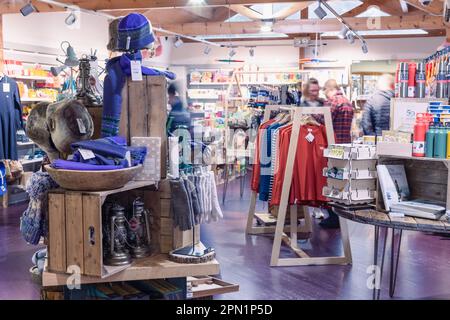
[428, 179]
[75, 238]
[266, 220]
[166, 237]
[75, 218]
[304, 259]
[144, 112]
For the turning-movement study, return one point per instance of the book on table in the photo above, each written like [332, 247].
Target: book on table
[396, 194]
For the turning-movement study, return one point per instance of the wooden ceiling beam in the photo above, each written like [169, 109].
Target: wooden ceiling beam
[363, 7]
[289, 11]
[404, 6]
[167, 4]
[247, 12]
[426, 22]
[391, 7]
[434, 8]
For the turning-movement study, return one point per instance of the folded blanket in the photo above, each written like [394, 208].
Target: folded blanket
[110, 151]
[71, 165]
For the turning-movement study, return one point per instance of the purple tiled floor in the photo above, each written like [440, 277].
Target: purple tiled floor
[424, 270]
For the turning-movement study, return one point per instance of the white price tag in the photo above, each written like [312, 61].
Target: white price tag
[86, 154]
[6, 87]
[310, 137]
[136, 70]
[128, 157]
[81, 126]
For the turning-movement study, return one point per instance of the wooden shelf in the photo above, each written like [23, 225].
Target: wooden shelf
[25, 162]
[415, 158]
[209, 84]
[37, 78]
[23, 144]
[26, 100]
[156, 267]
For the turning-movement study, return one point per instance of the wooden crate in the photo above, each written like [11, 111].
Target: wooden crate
[428, 179]
[165, 237]
[144, 113]
[75, 228]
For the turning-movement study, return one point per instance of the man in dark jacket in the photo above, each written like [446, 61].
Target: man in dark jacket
[376, 114]
[179, 117]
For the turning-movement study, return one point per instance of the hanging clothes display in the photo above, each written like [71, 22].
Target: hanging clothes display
[272, 146]
[194, 199]
[10, 118]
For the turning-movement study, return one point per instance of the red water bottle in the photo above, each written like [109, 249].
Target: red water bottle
[420, 130]
[412, 80]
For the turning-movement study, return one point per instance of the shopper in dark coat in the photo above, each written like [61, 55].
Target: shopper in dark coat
[178, 116]
[376, 114]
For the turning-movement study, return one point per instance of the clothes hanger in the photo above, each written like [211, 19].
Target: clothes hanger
[308, 119]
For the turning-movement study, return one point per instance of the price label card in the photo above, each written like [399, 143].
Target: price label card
[81, 126]
[86, 154]
[136, 71]
[310, 137]
[6, 87]
[128, 157]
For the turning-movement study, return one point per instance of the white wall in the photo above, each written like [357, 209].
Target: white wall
[49, 30]
[192, 54]
[43, 32]
[287, 55]
[380, 49]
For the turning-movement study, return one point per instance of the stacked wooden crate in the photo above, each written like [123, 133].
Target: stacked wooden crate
[166, 237]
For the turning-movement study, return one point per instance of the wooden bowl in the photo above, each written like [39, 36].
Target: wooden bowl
[93, 180]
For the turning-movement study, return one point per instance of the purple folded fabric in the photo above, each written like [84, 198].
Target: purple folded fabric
[71, 165]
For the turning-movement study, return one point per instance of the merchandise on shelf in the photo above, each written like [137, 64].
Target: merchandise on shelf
[212, 94]
[351, 174]
[210, 77]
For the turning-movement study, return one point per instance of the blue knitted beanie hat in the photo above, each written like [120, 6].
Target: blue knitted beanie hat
[135, 32]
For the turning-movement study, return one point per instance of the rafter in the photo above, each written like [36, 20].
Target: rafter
[148, 4]
[404, 6]
[435, 7]
[289, 11]
[426, 22]
[359, 9]
[248, 12]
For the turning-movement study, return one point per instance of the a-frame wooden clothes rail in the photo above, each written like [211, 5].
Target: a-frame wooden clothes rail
[252, 214]
[304, 259]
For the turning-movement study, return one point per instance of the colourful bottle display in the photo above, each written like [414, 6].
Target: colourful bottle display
[429, 143]
[440, 144]
[448, 144]
[420, 130]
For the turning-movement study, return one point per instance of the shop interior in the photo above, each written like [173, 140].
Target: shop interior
[239, 149]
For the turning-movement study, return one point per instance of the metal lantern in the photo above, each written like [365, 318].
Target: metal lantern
[117, 252]
[139, 231]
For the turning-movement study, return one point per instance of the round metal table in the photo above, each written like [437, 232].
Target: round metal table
[382, 220]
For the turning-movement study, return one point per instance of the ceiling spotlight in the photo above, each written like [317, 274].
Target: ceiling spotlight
[252, 52]
[178, 42]
[196, 2]
[232, 53]
[207, 50]
[27, 9]
[350, 38]
[71, 19]
[320, 12]
[343, 33]
[267, 26]
[364, 48]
